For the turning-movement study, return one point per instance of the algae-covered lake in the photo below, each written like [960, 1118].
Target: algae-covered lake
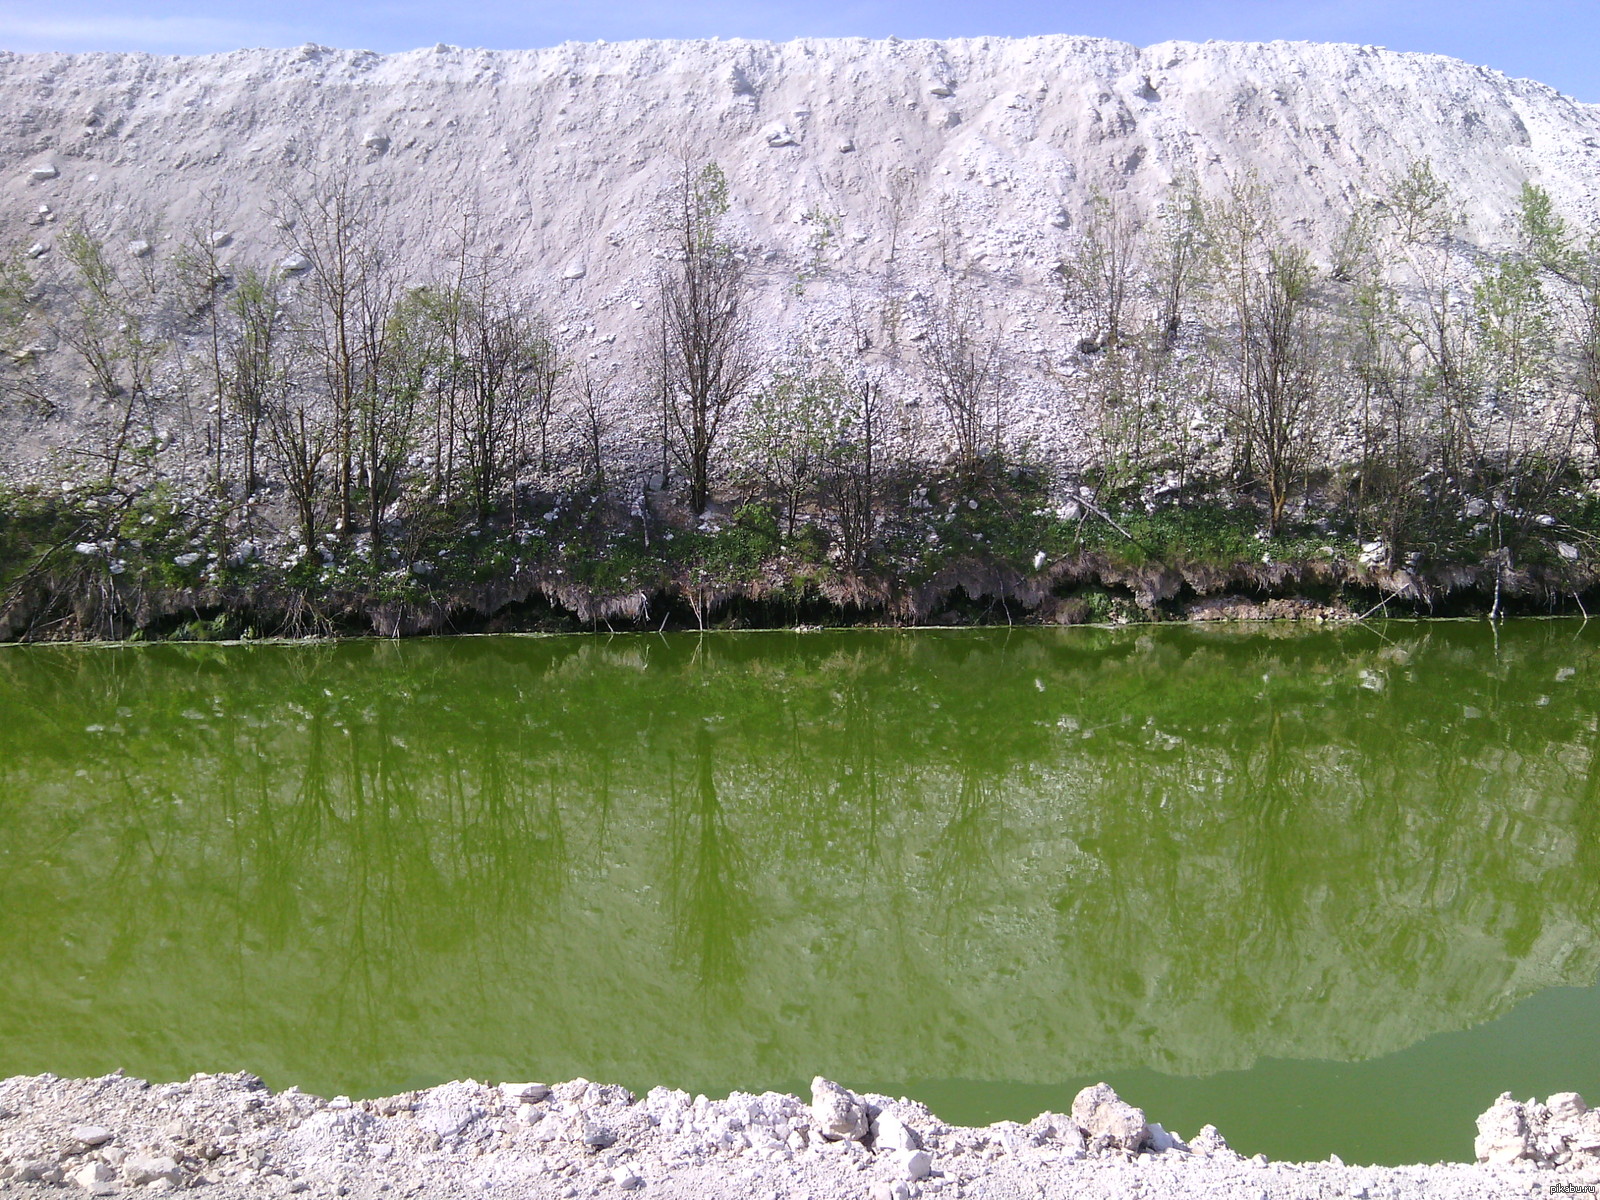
[1332, 890]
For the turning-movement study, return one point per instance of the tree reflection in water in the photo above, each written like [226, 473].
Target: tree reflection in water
[363, 866]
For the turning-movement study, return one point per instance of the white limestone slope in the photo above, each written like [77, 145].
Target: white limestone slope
[977, 152]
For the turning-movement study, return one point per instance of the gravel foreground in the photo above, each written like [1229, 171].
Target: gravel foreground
[229, 1136]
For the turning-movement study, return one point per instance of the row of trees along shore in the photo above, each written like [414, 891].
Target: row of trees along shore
[1403, 395]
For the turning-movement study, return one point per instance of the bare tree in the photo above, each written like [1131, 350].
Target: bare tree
[1276, 334]
[706, 359]
[594, 426]
[852, 469]
[256, 374]
[1423, 222]
[1101, 270]
[400, 354]
[1177, 257]
[505, 364]
[202, 282]
[1285, 385]
[332, 223]
[108, 323]
[302, 439]
[963, 365]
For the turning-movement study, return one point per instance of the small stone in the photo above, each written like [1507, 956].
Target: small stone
[576, 270]
[36, 1171]
[838, 1112]
[889, 1191]
[889, 1132]
[295, 264]
[1161, 1141]
[92, 1135]
[1209, 1142]
[38, 250]
[779, 135]
[376, 141]
[93, 1176]
[139, 248]
[43, 172]
[914, 1164]
[1565, 1106]
[1567, 551]
[140, 1171]
[220, 238]
[626, 1179]
[597, 1136]
[526, 1093]
[847, 146]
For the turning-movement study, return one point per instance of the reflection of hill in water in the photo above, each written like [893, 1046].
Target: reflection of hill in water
[999, 856]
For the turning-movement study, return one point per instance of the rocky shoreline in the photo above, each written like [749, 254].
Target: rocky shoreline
[230, 1136]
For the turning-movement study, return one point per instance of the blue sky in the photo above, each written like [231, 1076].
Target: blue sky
[1556, 41]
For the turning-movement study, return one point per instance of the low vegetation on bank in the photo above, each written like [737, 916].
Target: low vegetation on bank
[1405, 423]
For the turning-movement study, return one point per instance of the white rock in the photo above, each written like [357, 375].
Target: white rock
[1161, 1141]
[38, 250]
[92, 1176]
[91, 1135]
[576, 270]
[626, 1179]
[889, 1191]
[43, 172]
[528, 1093]
[889, 1132]
[1502, 1132]
[838, 1113]
[1565, 1106]
[140, 1171]
[295, 264]
[914, 1164]
[1107, 1121]
[1567, 551]
[377, 141]
[220, 238]
[139, 248]
[779, 135]
[189, 560]
[1210, 1143]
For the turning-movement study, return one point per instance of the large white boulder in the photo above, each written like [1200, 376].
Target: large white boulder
[1108, 1122]
[838, 1112]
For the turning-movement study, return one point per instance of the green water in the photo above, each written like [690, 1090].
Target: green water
[1331, 890]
